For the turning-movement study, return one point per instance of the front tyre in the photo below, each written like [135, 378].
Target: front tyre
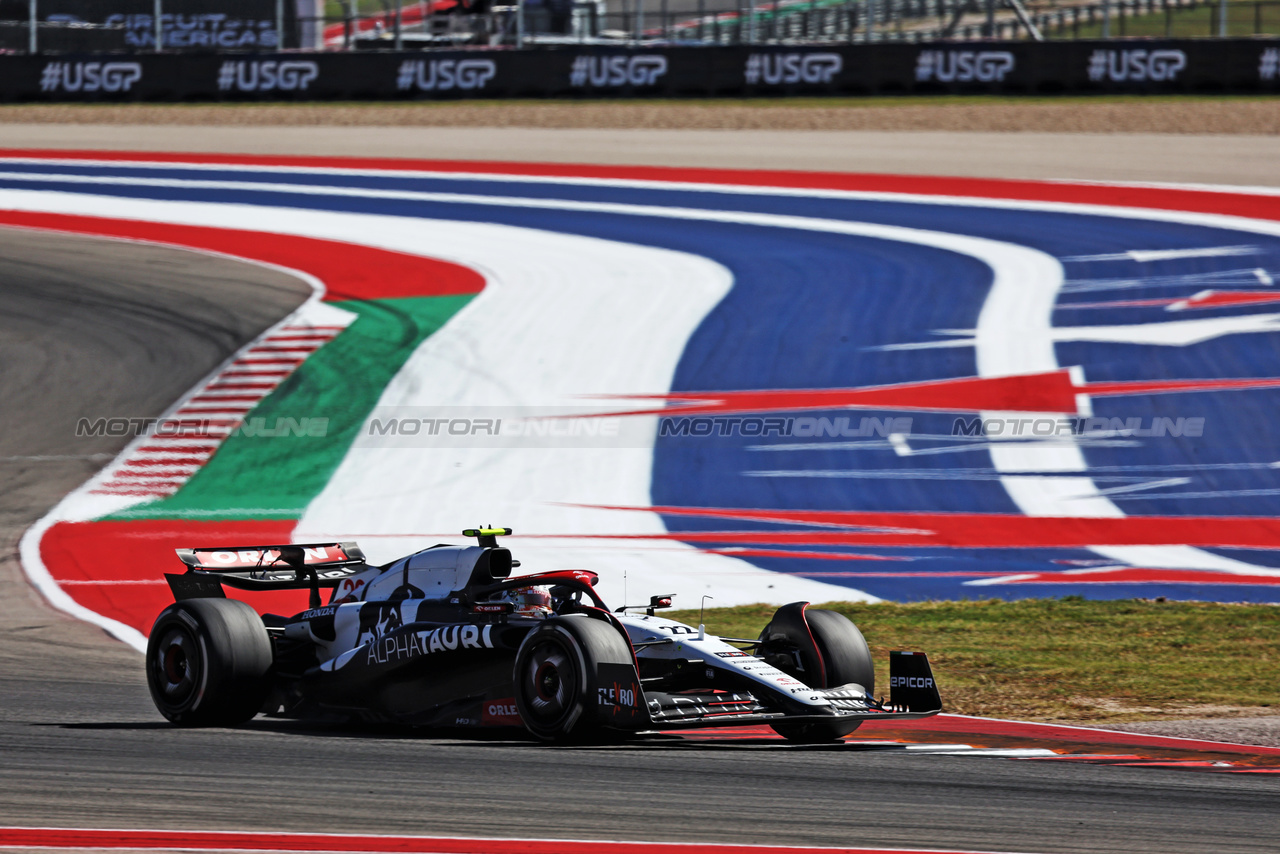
[208, 662]
[556, 676]
[834, 654]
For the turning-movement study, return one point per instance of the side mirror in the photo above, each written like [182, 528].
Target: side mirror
[656, 602]
[562, 594]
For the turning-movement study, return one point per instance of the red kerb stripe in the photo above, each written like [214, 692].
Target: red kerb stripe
[234, 841]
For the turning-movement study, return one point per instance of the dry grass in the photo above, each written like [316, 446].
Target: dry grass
[1166, 115]
[1071, 659]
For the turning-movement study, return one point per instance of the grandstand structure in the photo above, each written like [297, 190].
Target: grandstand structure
[56, 26]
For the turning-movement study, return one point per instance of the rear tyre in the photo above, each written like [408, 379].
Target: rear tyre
[555, 676]
[208, 662]
[843, 658]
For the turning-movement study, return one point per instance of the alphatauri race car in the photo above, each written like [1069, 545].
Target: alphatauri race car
[447, 638]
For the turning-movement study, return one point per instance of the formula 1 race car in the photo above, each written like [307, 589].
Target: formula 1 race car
[446, 638]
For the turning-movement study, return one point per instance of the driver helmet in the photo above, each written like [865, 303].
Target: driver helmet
[529, 601]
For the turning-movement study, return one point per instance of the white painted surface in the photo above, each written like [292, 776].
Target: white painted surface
[1004, 343]
[562, 316]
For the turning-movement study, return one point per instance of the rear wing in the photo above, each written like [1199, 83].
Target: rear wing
[284, 567]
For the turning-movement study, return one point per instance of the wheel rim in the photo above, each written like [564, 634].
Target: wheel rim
[176, 666]
[552, 680]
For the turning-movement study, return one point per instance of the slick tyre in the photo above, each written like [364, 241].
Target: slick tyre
[208, 662]
[555, 676]
[844, 659]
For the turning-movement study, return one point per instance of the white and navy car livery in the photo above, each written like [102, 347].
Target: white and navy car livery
[446, 637]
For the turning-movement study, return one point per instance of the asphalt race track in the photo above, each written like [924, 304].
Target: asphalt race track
[88, 753]
[125, 329]
[91, 327]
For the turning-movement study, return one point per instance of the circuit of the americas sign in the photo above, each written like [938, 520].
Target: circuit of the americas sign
[113, 25]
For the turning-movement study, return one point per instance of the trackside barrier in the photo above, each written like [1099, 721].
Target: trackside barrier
[1228, 65]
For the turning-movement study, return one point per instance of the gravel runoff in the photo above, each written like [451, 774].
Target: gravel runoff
[1263, 731]
[1254, 116]
[1205, 158]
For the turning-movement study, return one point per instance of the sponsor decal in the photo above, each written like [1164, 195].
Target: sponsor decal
[348, 589]
[194, 30]
[677, 630]
[414, 644]
[326, 611]
[735, 654]
[441, 75]
[378, 619]
[963, 66]
[910, 682]
[493, 608]
[320, 622]
[1138, 64]
[90, 76]
[500, 713]
[594, 71]
[778, 68]
[246, 558]
[267, 75]
[766, 671]
[1269, 64]
[619, 696]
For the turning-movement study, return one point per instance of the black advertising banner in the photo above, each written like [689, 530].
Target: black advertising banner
[129, 25]
[1235, 65]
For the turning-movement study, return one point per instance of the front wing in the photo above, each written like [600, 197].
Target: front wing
[914, 695]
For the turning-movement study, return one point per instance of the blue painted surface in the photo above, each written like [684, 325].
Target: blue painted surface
[806, 311]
